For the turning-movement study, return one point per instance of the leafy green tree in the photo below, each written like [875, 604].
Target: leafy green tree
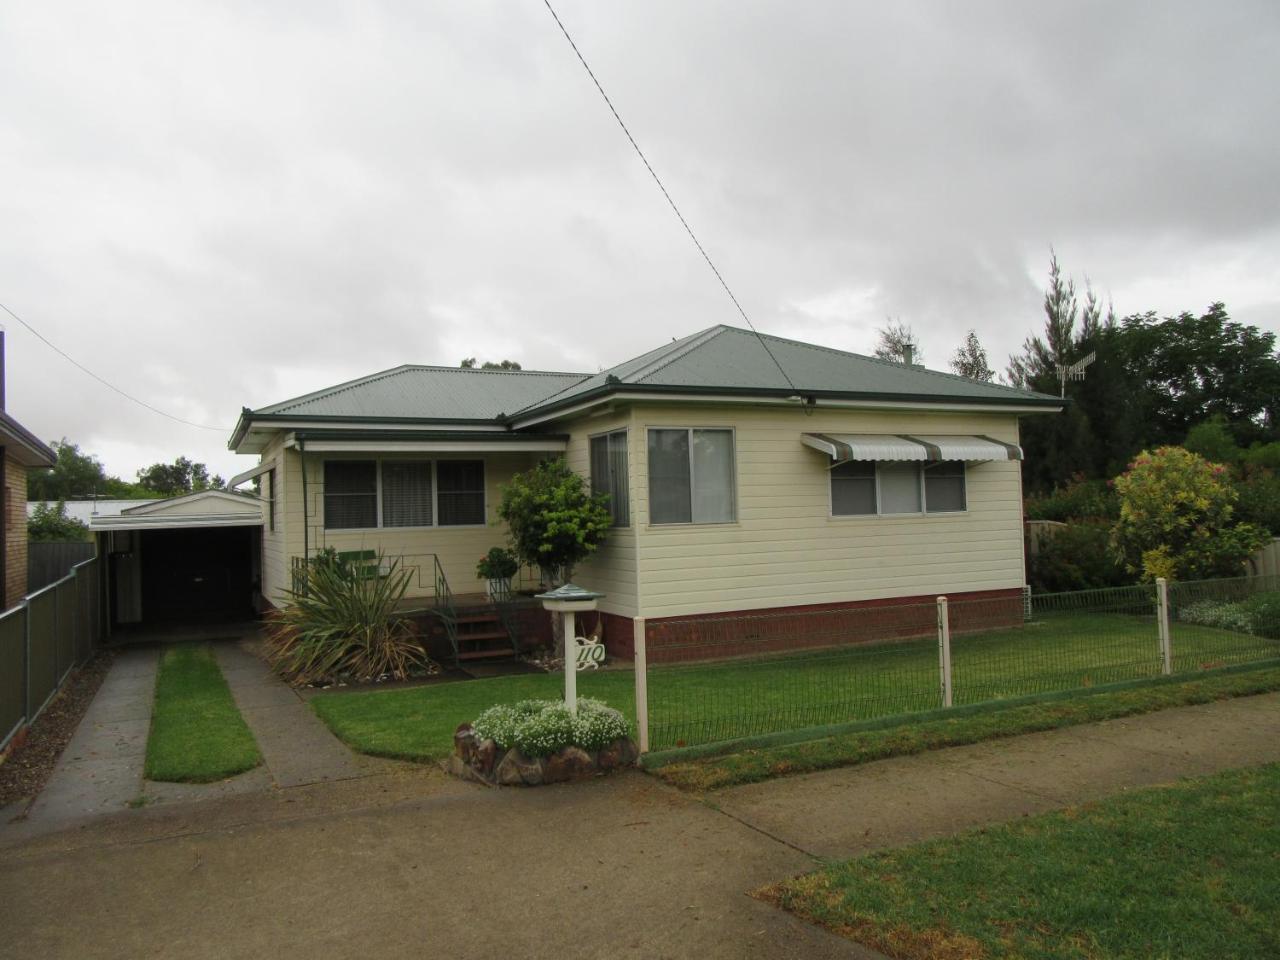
[555, 521]
[470, 364]
[1190, 368]
[75, 476]
[895, 337]
[181, 476]
[1177, 519]
[1214, 441]
[970, 360]
[49, 522]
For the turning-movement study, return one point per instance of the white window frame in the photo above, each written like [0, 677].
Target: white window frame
[878, 515]
[626, 433]
[733, 481]
[435, 496]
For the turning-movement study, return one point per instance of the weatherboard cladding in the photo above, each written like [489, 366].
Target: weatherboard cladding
[718, 358]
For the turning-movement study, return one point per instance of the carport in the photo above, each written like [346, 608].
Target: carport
[188, 561]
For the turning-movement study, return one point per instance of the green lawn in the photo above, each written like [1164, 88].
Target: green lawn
[197, 733]
[711, 702]
[1189, 871]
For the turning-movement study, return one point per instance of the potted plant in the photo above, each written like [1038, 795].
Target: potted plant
[497, 567]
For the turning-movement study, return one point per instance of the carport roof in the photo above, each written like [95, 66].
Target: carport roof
[208, 508]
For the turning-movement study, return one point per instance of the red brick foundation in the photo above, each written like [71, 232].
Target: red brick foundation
[780, 629]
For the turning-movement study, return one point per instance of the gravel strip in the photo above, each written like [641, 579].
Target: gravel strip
[24, 772]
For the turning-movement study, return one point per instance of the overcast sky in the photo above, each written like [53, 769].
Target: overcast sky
[223, 205]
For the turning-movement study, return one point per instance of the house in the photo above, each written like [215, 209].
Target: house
[22, 451]
[747, 474]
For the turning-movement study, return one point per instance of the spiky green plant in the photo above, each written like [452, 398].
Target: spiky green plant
[342, 625]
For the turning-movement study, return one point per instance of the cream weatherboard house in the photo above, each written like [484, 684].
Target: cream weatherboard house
[741, 478]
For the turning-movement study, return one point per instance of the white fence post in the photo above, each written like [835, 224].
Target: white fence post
[944, 650]
[1162, 621]
[642, 684]
[570, 662]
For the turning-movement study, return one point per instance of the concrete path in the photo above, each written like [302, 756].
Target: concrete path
[100, 771]
[297, 747]
[620, 867]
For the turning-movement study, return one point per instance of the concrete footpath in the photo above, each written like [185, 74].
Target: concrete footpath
[411, 863]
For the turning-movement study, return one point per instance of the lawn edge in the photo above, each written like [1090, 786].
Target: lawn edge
[704, 768]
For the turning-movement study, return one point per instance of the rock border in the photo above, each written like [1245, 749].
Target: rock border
[485, 762]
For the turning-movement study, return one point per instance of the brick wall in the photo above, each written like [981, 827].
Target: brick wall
[780, 629]
[15, 525]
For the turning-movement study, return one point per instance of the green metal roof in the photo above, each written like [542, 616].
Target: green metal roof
[720, 360]
[733, 360]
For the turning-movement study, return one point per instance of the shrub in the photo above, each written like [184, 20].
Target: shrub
[1076, 557]
[498, 564]
[554, 519]
[540, 728]
[342, 624]
[1264, 611]
[1080, 499]
[1177, 518]
[51, 523]
[1259, 499]
[1223, 614]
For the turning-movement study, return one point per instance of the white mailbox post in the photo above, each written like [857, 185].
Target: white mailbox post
[567, 601]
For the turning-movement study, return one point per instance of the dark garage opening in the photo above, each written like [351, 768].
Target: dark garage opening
[197, 575]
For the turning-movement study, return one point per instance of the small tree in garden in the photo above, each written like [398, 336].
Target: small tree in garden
[555, 521]
[52, 523]
[1177, 518]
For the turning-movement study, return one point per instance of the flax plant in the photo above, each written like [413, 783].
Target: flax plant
[342, 625]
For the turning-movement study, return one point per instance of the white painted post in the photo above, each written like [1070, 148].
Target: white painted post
[1162, 622]
[642, 684]
[570, 662]
[944, 650]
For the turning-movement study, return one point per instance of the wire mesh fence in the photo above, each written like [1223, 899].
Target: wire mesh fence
[722, 678]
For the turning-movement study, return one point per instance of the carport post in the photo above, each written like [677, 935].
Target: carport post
[944, 650]
[1162, 624]
[641, 665]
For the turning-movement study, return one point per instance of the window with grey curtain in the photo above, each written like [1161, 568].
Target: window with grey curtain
[406, 493]
[944, 487]
[691, 476]
[350, 494]
[609, 474]
[899, 487]
[853, 488]
[460, 492]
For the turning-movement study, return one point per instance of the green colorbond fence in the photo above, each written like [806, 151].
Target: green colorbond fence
[41, 640]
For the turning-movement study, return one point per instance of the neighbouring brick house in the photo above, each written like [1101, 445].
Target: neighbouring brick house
[22, 451]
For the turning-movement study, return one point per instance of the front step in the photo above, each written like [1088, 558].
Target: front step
[490, 654]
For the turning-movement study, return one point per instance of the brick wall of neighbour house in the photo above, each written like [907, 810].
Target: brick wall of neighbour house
[782, 629]
[15, 526]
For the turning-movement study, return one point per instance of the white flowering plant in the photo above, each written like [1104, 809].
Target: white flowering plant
[540, 728]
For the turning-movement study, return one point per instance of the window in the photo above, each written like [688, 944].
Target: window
[367, 494]
[271, 499]
[691, 476]
[864, 488]
[350, 494]
[406, 493]
[609, 473]
[461, 492]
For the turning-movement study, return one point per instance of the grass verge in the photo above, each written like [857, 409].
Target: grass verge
[850, 749]
[197, 733]
[1186, 871]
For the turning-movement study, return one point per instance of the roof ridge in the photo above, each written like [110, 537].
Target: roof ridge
[682, 349]
[889, 363]
[349, 385]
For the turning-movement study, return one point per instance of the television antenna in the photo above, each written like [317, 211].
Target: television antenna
[1074, 372]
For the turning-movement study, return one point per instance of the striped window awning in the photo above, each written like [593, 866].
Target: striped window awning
[841, 447]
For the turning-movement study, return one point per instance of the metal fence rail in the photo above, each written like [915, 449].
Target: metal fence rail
[707, 679]
[41, 640]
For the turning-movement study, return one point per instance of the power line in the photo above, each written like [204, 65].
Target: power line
[106, 383]
[658, 181]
